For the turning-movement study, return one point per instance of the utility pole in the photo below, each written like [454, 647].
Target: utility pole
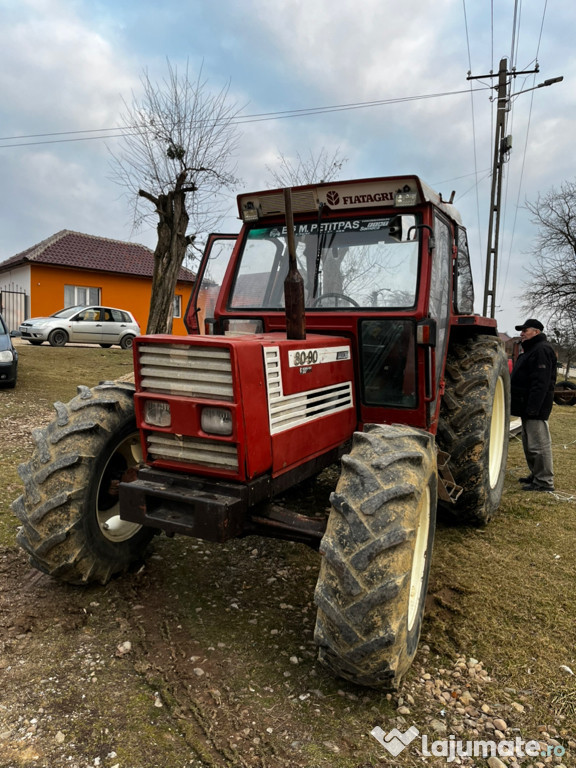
[502, 146]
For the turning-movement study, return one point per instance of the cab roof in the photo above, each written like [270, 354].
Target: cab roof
[350, 195]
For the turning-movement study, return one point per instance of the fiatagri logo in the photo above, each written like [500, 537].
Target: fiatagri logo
[334, 199]
[395, 741]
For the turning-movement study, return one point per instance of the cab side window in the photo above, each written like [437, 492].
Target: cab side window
[463, 286]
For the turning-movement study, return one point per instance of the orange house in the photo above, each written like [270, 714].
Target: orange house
[72, 268]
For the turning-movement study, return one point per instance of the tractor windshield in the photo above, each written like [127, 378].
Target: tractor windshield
[361, 263]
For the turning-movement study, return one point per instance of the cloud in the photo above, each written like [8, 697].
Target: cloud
[64, 66]
[57, 73]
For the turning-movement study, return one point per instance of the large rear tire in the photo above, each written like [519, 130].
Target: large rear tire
[474, 426]
[377, 550]
[565, 393]
[71, 528]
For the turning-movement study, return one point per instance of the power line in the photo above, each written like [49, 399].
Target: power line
[238, 120]
[523, 164]
[474, 140]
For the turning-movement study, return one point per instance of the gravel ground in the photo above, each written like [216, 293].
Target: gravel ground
[204, 658]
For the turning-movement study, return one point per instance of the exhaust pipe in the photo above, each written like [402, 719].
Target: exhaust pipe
[294, 284]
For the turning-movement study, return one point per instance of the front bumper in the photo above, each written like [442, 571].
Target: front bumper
[186, 505]
[34, 334]
[216, 510]
[8, 372]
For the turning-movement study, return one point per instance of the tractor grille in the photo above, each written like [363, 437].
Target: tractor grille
[192, 450]
[188, 371]
[181, 369]
[287, 411]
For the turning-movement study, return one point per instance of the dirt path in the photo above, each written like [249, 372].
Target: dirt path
[204, 658]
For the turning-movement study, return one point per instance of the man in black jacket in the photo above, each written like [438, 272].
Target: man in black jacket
[532, 383]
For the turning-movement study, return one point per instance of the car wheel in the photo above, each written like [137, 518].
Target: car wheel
[58, 338]
[127, 341]
[34, 343]
[105, 346]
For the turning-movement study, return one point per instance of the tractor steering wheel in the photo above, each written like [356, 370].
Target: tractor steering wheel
[317, 301]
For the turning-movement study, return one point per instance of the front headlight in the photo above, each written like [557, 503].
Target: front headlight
[216, 421]
[157, 413]
[6, 356]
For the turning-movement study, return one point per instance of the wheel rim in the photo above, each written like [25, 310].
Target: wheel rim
[119, 467]
[419, 560]
[498, 428]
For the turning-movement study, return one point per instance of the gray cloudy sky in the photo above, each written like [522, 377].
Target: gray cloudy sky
[66, 64]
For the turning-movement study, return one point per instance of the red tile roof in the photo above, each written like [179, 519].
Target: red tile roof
[79, 251]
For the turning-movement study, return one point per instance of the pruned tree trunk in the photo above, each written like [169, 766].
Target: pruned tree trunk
[177, 156]
[169, 254]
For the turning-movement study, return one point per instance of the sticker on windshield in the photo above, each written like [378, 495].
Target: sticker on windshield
[311, 228]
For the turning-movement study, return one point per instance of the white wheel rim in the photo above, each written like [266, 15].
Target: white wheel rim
[419, 561]
[112, 526]
[498, 429]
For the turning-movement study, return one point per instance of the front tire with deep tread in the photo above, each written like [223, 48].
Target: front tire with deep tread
[376, 556]
[69, 509]
[474, 426]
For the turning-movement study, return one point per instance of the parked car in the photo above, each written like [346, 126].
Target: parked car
[8, 357]
[92, 325]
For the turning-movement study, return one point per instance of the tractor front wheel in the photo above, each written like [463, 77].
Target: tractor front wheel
[376, 556]
[71, 528]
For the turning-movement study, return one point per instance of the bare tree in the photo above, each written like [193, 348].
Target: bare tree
[564, 336]
[306, 170]
[552, 289]
[176, 154]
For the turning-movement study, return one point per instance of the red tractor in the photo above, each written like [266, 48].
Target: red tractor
[338, 325]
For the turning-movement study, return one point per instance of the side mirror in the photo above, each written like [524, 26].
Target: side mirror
[395, 228]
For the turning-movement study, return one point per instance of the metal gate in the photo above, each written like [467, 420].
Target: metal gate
[13, 306]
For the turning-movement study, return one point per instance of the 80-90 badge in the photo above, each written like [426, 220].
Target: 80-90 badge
[297, 358]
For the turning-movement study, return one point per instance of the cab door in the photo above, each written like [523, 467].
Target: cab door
[211, 271]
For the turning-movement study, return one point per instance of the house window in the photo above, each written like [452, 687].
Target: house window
[80, 295]
[177, 306]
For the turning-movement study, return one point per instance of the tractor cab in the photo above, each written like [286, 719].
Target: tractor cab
[384, 262]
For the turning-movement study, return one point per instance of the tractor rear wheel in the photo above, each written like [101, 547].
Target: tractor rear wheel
[565, 393]
[474, 426]
[376, 556]
[71, 528]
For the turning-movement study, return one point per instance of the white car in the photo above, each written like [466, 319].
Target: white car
[92, 325]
